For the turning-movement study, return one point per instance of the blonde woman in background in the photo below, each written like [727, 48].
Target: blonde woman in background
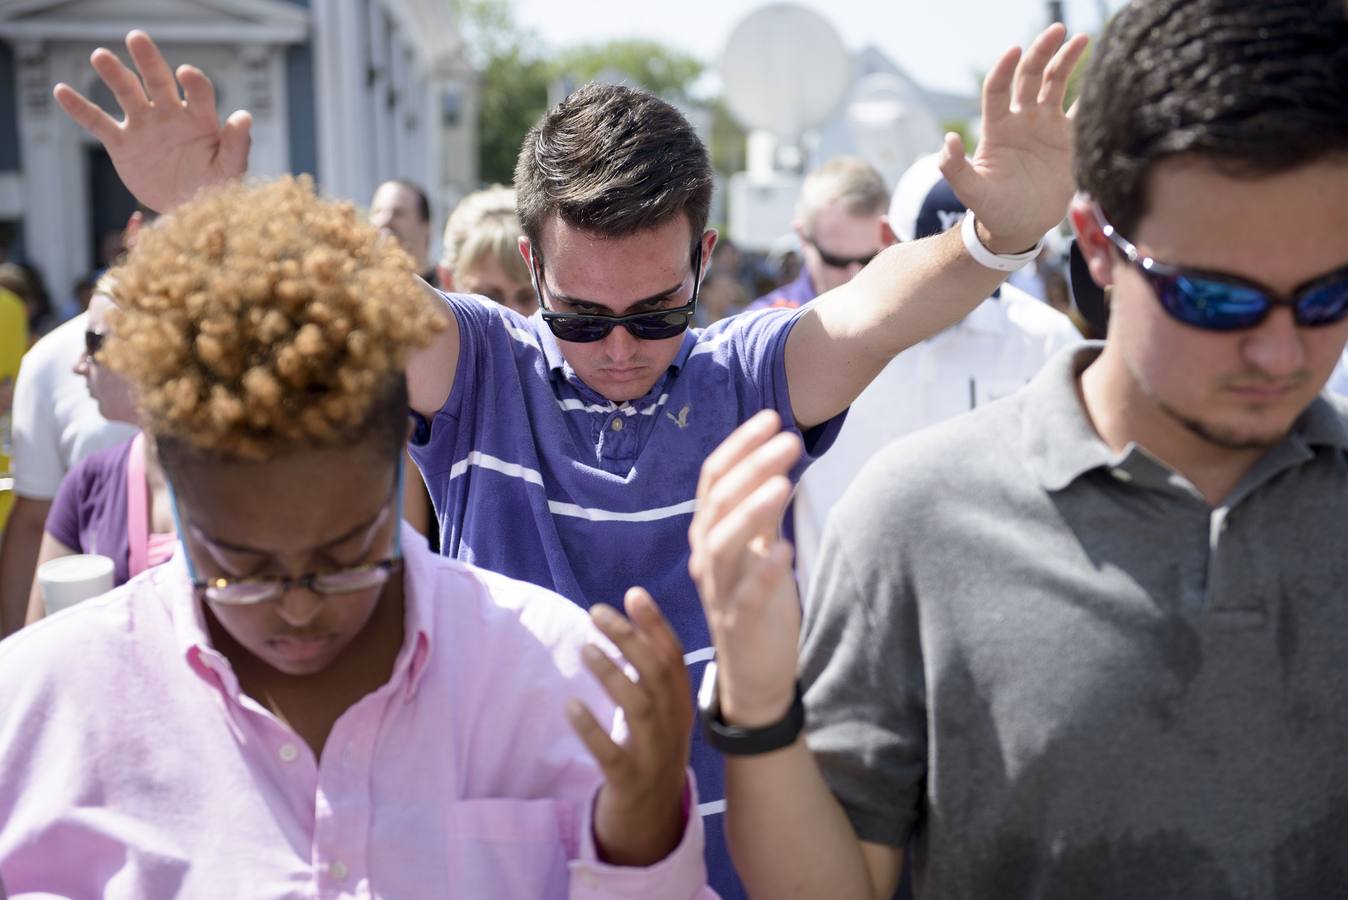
[481, 251]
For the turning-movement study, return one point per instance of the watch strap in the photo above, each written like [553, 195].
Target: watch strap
[734, 740]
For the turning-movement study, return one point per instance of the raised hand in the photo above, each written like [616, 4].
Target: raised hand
[743, 570]
[166, 148]
[638, 819]
[1019, 181]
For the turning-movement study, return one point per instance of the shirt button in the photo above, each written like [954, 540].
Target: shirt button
[1122, 475]
[617, 425]
[338, 871]
[289, 753]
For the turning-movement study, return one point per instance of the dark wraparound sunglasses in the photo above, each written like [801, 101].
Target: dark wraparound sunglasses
[93, 342]
[1220, 301]
[841, 262]
[585, 328]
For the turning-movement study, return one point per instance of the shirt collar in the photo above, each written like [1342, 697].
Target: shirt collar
[194, 640]
[1061, 444]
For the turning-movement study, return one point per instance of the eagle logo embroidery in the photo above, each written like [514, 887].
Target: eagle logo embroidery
[681, 420]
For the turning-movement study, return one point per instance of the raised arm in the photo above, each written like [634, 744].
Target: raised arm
[168, 147]
[787, 833]
[1017, 185]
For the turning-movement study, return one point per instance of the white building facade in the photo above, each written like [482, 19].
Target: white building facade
[351, 91]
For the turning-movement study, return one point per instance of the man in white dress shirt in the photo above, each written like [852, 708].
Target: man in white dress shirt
[995, 350]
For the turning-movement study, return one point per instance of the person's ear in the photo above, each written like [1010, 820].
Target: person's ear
[887, 236]
[709, 239]
[1091, 239]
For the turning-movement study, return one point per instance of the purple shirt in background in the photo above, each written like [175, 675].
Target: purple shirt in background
[788, 296]
[536, 475]
[89, 512]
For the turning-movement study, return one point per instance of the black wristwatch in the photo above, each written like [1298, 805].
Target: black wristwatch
[736, 741]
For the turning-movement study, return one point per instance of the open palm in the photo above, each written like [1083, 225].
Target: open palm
[167, 147]
[1019, 181]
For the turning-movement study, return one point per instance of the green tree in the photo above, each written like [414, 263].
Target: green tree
[659, 69]
[513, 86]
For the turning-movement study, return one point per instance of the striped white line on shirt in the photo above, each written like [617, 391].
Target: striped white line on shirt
[714, 808]
[485, 461]
[708, 346]
[603, 515]
[558, 508]
[626, 409]
[706, 654]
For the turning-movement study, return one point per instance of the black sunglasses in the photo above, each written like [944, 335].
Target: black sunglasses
[841, 262]
[93, 342]
[586, 328]
[1220, 301]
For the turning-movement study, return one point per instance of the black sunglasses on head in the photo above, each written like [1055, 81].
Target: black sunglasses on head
[586, 328]
[841, 262]
[93, 342]
[1221, 301]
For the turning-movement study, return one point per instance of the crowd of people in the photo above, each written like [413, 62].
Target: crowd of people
[419, 562]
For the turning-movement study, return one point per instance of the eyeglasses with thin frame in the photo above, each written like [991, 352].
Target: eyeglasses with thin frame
[250, 591]
[1221, 301]
[586, 328]
[841, 262]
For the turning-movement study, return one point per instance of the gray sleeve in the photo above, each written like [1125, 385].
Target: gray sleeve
[862, 673]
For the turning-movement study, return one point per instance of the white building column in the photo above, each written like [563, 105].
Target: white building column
[345, 164]
[55, 171]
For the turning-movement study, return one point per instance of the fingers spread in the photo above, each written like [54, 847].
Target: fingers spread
[1030, 73]
[1059, 71]
[235, 139]
[199, 95]
[643, 610]
[154, 71]
[609, 755]
[771, 459]
[742, 441]
[123, 83]
[637, 703]
[997, 87]
[85, 114]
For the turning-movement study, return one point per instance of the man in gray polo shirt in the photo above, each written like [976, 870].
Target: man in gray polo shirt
[1092, 640]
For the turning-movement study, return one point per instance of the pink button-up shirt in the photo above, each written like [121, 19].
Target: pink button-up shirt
[131, 765]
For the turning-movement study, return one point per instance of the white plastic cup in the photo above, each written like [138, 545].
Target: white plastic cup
[68, 580]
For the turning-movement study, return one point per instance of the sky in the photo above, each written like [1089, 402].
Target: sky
[942, 44]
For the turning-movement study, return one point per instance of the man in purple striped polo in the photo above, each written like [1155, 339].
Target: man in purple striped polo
[564, 448]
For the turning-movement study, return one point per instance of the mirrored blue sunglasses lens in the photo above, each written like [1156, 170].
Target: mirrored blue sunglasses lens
[1325, 304]
[1215, 305]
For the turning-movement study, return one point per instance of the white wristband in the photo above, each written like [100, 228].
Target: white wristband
[1002, 262]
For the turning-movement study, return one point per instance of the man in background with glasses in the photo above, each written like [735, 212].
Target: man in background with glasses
[841, 224]
[1092, 640]
[563, 449]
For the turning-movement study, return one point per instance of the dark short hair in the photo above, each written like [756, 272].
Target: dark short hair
[423, 202]
[1255, 87]
[612, 161]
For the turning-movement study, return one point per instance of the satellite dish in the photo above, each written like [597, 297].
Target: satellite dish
[785, 69]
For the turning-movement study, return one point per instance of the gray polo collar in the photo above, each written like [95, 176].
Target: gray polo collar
[1061, 444]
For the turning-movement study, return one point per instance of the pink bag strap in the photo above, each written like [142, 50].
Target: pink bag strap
[137, 508]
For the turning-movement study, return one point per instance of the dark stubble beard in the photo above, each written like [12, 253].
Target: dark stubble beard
[1221, 438]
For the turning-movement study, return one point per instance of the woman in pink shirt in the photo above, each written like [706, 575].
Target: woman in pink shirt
[305, 701]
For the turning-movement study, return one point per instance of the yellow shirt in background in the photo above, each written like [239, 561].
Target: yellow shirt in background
[13, 344]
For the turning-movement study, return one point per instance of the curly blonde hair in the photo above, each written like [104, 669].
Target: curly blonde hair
[260, 317]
